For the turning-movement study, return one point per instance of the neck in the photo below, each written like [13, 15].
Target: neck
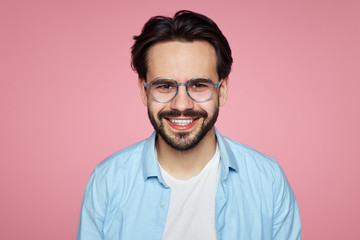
[186, 164]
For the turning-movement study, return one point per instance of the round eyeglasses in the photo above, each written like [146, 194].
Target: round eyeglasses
[199, 89]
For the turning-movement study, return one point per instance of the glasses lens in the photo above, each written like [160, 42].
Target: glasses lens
[200, 89]
[163, 89]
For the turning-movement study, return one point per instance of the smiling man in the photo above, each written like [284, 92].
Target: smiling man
[186, 181]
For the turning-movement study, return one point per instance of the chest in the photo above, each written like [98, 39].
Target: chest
[238, 210]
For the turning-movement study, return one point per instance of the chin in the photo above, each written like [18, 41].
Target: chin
[183, 140]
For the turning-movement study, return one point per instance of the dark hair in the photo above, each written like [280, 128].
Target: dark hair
[185, 26]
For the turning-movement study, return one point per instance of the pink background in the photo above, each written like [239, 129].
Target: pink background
[68, 99]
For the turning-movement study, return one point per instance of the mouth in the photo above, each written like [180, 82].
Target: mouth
[182, 124]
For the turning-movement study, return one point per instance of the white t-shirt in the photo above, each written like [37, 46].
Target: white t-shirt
[191, 213]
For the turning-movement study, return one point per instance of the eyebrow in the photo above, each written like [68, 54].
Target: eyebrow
[192, 78]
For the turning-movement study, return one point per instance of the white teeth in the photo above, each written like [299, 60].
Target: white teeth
[181, 122]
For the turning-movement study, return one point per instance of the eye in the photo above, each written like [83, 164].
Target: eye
[163, 85]
[200, 84]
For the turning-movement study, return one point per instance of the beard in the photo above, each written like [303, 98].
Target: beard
[182, 140]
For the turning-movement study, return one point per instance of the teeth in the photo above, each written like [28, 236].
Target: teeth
[181, 122]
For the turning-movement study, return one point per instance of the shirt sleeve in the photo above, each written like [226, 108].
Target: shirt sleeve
[93, 210]
[286, 219]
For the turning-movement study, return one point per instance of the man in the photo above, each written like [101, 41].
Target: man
[186, 181]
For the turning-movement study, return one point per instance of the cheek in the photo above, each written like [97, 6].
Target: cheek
[156, 107]
[210, 106]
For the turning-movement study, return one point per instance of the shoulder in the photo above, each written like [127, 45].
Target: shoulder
[252, 162]
[244, 152]
[121, 161]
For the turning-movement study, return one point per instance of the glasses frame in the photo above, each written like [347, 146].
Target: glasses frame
[215, 85]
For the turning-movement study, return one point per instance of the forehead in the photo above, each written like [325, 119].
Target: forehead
[182, 60]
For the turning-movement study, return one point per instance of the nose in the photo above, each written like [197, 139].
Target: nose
[182, 101]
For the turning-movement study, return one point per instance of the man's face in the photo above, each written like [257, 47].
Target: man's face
[182, 123]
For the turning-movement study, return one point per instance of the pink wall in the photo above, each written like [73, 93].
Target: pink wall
[68, 99]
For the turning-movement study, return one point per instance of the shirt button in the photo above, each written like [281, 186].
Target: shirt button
[163, 204]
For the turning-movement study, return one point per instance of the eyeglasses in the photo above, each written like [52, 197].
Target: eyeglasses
[165, 89]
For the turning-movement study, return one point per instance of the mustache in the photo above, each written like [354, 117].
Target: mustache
[186, 113]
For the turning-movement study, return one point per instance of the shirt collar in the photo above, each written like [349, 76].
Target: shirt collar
[151, 167]
[227, 157]
[150, 164]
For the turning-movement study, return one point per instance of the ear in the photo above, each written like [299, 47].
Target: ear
[143, 92]
[223, 92]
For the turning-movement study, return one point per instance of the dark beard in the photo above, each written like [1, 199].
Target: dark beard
[191, 143]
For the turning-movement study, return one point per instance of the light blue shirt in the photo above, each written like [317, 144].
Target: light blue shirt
[126, 197]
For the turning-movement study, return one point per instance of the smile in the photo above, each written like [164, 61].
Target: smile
[181, 122]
